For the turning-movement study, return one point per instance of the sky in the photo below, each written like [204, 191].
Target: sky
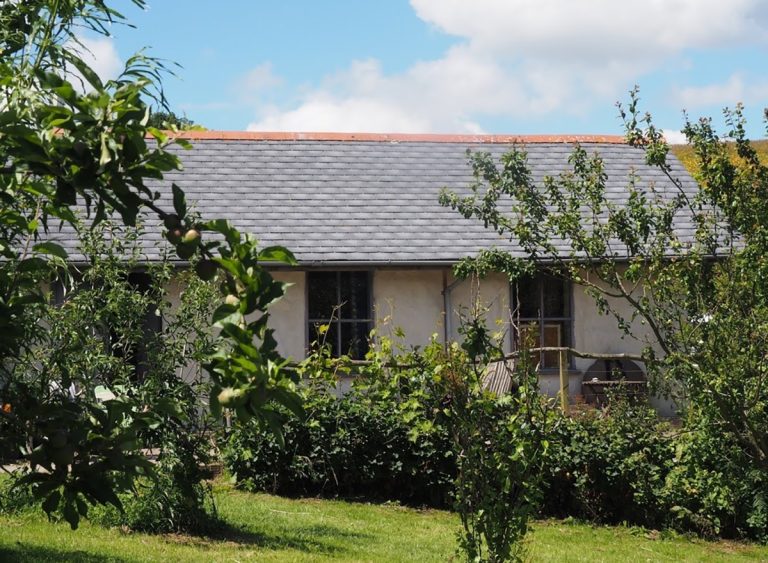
[449, 66]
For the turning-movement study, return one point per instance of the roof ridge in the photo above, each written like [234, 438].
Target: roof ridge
[195, 135]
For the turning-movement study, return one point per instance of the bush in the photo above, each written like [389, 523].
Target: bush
[623, 465]
[15, 498]
[164, 504]
[344, 448]
[609, 466]
[713, 489]
[383, 440]
[394, 437]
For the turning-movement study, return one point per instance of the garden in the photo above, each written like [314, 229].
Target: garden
[137, 427]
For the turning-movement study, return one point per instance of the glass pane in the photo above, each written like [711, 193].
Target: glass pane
[555, 297]
[529, 336]
[528, 298]
[322, 294]
[553, 338]
[354, 339]
[354, 295]
[319, 337]
[549, 335]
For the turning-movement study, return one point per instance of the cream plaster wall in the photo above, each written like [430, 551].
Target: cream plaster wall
[492, 293]
[596, 332]
[288, 316]
[411, 300]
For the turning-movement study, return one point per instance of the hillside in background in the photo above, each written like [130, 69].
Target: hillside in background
[688, 158]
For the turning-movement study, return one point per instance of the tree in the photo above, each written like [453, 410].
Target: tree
[703, 300]
[64, 150]
[168, 119]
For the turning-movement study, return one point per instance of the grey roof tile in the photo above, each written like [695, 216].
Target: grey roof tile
[367, 201]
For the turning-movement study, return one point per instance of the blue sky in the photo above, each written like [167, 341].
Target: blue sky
[450, 66]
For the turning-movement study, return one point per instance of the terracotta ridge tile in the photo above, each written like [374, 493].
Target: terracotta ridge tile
[394, 137]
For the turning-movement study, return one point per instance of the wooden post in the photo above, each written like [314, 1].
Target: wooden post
[564, 403]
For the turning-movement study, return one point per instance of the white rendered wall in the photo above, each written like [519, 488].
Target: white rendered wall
[410, 300]
[492, 293]
[288, 316]
[413, 301]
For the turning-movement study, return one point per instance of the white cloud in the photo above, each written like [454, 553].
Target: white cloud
[598, 29]
[258, 80]
[734, 90]
[430, 96]
[513, 59]
[675, 137]
[101, 55]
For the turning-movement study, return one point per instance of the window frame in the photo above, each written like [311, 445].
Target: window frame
[308, 321]
[543, 320]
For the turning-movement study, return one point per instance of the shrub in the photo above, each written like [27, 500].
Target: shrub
[712, 489]
[383, 440]
[422, 436]
[344, 448]
[609, 466]
[166, 503]
[15, 497]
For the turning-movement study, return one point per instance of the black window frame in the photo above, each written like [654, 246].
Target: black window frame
[339, 319]
[547, 360]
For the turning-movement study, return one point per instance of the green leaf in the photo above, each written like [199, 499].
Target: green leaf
[32, 264]
[289, 400]
[82, 507]
[86, 71]
[179, 201]
[213, 401]
[234, 331]
[277, 254]
[51, 503]
[70, 514]
[52, 248]
[226, 314]
[276, 427]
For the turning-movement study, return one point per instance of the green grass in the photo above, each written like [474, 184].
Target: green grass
[268, 528]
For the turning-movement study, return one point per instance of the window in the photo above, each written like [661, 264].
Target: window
[545, 314]
[135, 352]
[342, 301]
[138, 354]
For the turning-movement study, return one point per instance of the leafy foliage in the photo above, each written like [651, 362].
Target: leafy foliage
[379, 441]
[500, 445]
[69, 139]
[698, 303]
[610, 466]
[416, 427]
[100, 341]
[169, 120]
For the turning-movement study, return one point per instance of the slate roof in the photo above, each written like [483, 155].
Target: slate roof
[369, 199]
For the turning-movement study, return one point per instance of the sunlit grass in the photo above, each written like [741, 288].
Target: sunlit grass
[269, 528]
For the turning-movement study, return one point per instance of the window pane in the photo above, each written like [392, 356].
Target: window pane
[322, 294]
[550, 334]
[553, 338]
[529, 336]
[354, 295]
[528, 298]
[555, 297]
[329, 338]
[354, 339]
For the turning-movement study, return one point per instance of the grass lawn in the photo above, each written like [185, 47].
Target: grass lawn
[268, 528]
